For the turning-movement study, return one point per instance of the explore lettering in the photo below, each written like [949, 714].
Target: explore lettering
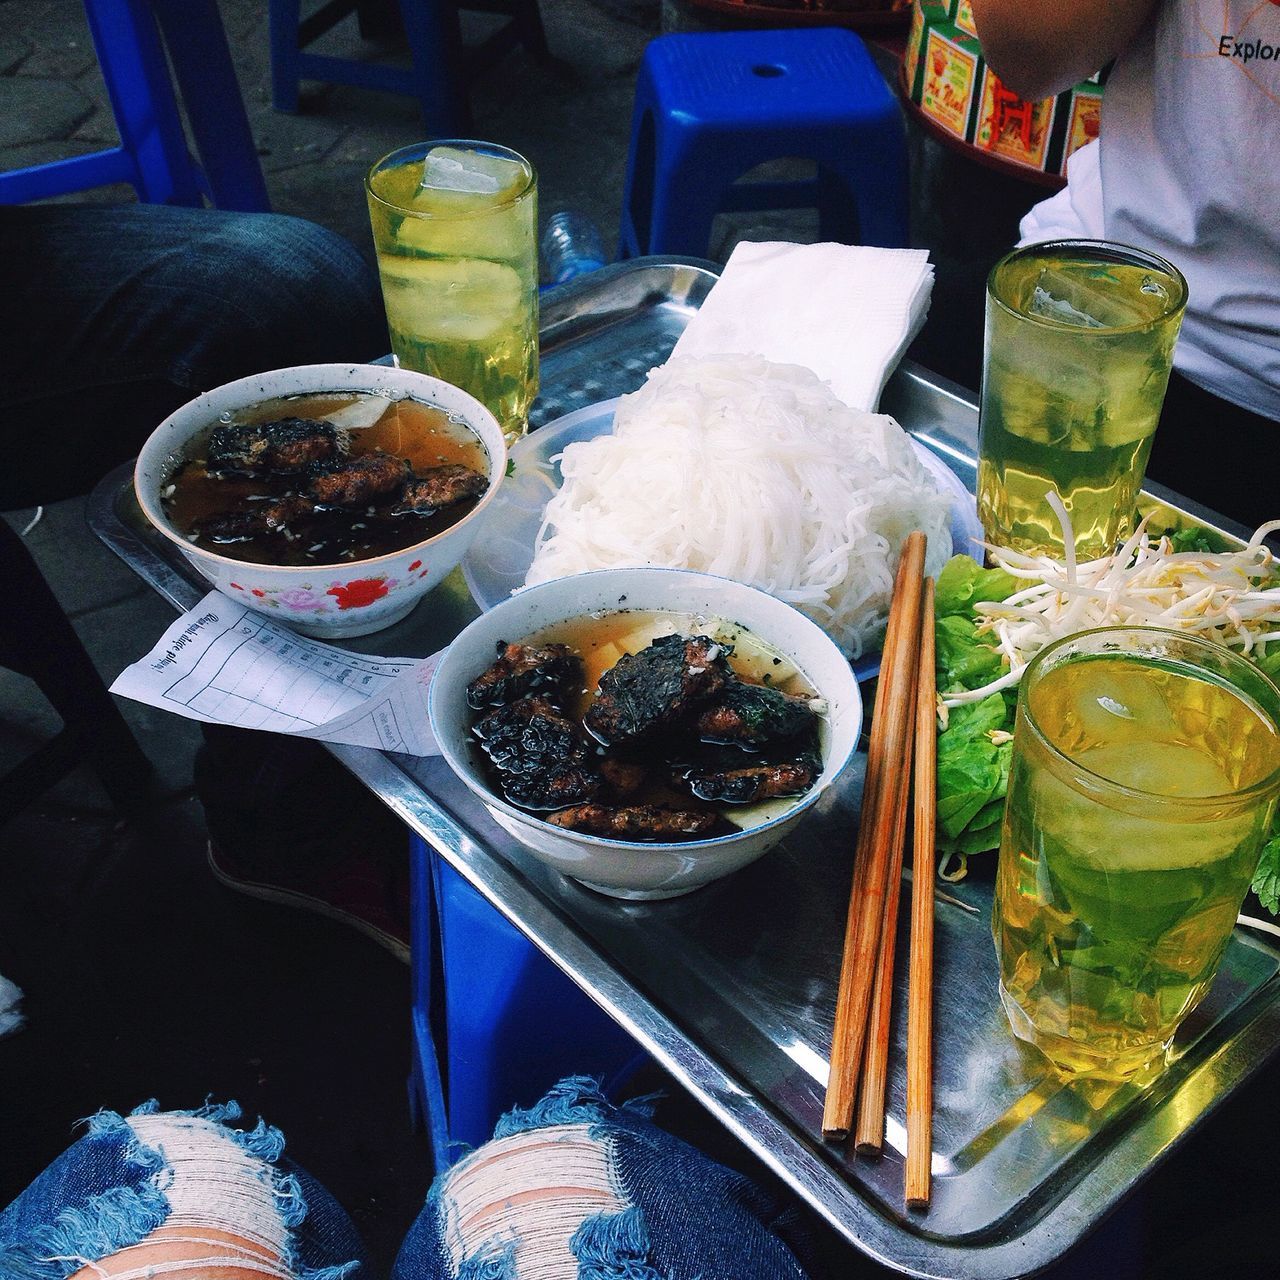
[1248, 50]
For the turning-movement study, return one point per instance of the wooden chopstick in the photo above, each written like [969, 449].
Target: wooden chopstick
[891, 728]
[869, 1134]
[920, 965]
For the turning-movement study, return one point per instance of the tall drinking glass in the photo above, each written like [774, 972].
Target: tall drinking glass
[1079, 344]
[455, 228]
[1146, 766]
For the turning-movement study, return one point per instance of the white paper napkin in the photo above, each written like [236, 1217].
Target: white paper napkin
[847, 312]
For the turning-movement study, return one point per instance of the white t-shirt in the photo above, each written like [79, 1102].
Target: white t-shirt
[1187, 165]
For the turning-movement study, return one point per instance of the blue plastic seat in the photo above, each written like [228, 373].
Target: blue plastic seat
[495, 1023]
[709, 108]
[153, 155]
[441, 66]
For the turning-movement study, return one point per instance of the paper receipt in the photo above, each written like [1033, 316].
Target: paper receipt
[224, 664]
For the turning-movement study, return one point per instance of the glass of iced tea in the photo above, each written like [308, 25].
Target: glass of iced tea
[1079, 345]
[455, 228]
[1146, 766]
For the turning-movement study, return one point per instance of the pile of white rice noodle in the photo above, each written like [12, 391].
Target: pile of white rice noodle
[757, 472]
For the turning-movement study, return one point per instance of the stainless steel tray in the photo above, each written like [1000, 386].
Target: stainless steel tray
[732, 988]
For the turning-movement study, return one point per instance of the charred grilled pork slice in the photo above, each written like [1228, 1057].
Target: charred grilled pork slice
[358, 482]
[642, 822]
[753, 714]
[624, 777]
[651, 689]
[289, 445]
[543, 760]
[553, 670]
[753, 782]
[257, 518]
[440, 487]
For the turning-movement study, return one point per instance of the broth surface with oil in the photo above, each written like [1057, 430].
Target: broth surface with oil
[424, 436]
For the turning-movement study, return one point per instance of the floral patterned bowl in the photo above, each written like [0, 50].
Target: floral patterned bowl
[330, 601]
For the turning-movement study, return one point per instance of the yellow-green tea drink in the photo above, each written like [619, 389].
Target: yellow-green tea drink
[455, 227]
[1145, 772]
[1079, 344]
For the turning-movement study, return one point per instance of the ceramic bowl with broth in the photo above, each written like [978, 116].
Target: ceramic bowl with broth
[591, 611]
[355, 570]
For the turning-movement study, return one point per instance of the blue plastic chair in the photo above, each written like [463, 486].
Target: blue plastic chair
[711, 107]
[153, 155]
[441, 66]
[495, 1023]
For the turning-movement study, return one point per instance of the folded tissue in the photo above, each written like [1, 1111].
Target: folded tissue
[848, 312]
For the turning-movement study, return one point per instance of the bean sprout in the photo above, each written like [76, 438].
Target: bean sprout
[1232, 597]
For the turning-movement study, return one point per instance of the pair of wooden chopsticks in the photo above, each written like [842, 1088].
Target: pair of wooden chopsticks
[903, 726]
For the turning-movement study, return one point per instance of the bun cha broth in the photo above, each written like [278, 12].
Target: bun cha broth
[325, 479]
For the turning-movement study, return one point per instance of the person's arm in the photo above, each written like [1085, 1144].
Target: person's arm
[1040, 47]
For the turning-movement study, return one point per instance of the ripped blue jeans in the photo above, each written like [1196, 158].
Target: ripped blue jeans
[571, 1188]
[171, 1193]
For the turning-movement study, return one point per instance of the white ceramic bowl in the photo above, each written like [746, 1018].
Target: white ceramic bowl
[352, 598]
[618, 868]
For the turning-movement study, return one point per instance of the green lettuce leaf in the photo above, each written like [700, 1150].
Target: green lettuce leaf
[965, 660]
[972, 770]
[978, 839]
[963, 582]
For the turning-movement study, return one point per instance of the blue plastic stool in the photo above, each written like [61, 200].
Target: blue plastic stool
[153, 155]
[441, 66]
[709, 108]
[495, 1023]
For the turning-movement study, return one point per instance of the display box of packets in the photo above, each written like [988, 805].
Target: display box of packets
[946, 78]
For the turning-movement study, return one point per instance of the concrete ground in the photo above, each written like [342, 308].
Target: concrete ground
[145, 977]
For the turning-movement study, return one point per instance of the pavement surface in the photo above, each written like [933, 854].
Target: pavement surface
[144, 977]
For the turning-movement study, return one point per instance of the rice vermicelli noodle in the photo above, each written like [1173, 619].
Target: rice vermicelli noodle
[754, 471]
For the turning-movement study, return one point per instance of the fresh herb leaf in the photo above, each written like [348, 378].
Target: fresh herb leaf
[1195, 538]
[1266, 879]
[1269, 663]
[511, 466]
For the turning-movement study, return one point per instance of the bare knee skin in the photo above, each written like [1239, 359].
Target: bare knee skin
[190, 1253]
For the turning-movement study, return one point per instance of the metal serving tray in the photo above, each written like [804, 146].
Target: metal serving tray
[732, 989]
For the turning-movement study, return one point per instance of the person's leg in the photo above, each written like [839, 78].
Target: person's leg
[288, 824]
[1216, 453]
[160, 1195]
[110, 318]
[576, 1187]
